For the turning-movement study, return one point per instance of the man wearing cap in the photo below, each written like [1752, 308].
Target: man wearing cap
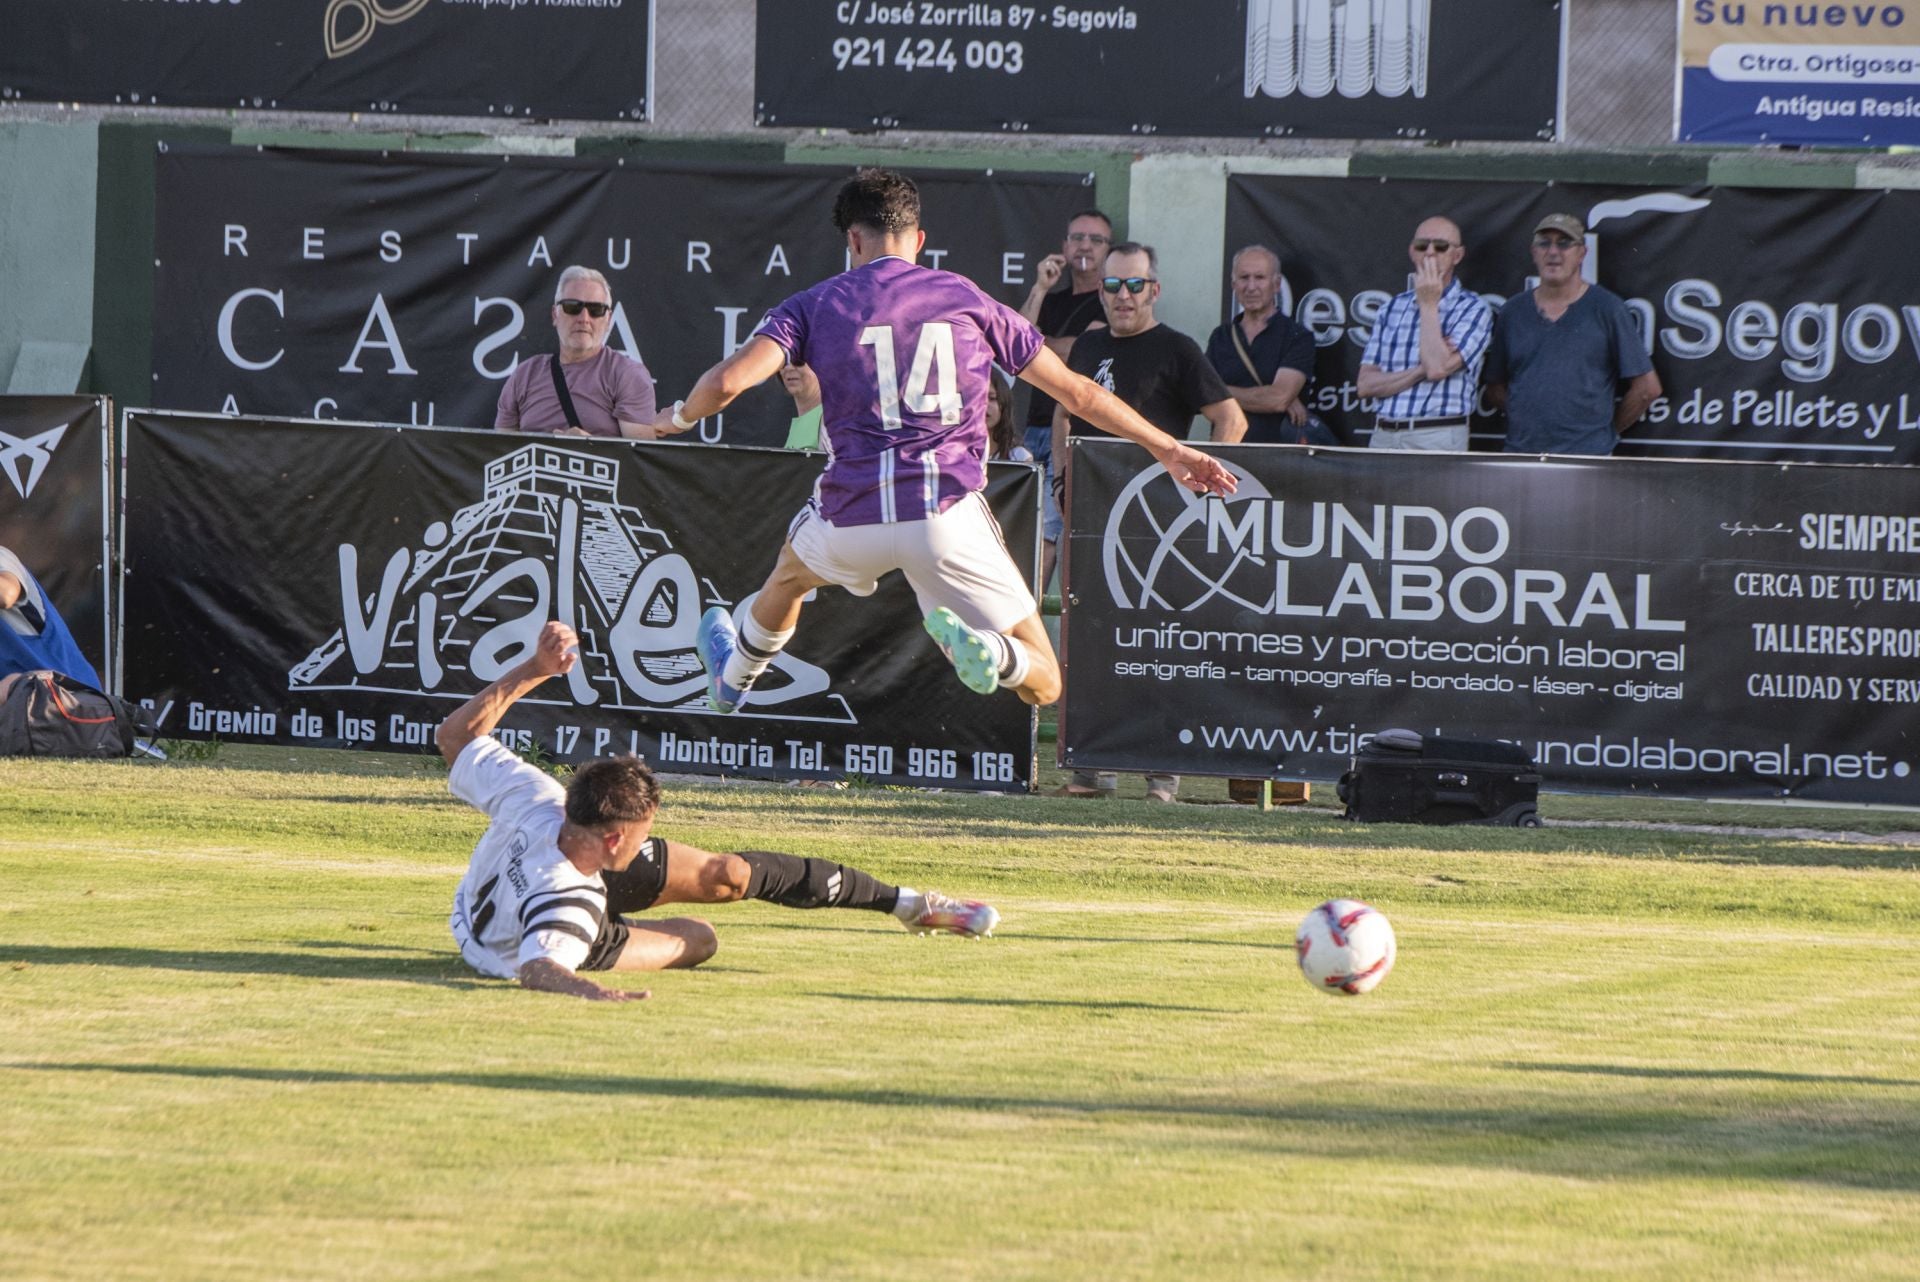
[1560, 352]
[1422, 363]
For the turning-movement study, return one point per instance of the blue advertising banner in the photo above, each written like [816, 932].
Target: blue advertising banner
[1755, 72]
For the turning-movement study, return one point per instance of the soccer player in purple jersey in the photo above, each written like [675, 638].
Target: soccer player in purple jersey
[905, 355]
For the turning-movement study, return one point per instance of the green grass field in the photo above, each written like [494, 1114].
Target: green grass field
[235, 1043]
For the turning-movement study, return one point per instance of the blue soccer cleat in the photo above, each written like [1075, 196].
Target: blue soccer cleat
[971, 657]
[714, 643]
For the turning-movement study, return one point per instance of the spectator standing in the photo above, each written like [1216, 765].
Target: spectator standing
[1062, 315]
[586, 389]
[1164, 377]
[33, 636]
[1423, 361]
[1000, 442]
[1560, 353]
[1265, 357]
[804, 387]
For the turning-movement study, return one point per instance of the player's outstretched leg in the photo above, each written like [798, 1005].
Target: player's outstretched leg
[694, 876]
[984, 660]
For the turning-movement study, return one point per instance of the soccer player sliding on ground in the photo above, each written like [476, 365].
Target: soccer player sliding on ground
[905, 355]
[545, 894]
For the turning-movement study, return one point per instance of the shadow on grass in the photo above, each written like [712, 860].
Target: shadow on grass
[412, 966]
[1021, 936]
[1039, 1002]
[1711, 1074]
[1851, 1146]
[944, 819]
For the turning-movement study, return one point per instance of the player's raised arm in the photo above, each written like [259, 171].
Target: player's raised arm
[557, 650]
[756, 361]
[1083, 398]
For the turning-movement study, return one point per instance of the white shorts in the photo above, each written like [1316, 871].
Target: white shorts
[957, 559]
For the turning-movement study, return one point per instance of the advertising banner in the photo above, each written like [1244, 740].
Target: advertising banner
[1784, 324]
[338, 585]
[1706, 629]
[1452, 69]
[507, 59]
[54, 510]
[1753, 71]
[349, 286]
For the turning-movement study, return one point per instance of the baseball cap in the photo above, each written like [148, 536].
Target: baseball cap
[1566, 224]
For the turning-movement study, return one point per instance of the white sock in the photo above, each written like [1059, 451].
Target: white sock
[910, 904]
[755, 651]
[1015, 663]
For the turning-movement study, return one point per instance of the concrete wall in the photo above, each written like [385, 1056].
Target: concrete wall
[47, 197]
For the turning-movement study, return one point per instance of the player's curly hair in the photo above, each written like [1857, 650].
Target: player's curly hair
[880, 199]
[612, 790]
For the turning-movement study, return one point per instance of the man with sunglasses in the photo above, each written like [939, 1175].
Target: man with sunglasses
[1422, 363]
[1561, 352]
[1161, 374]
[587, 389]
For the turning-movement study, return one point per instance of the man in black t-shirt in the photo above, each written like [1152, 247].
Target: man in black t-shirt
[1265, 357]
[1164, 377]
[1063, 315]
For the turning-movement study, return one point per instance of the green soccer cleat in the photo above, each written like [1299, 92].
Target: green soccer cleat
[970, 656]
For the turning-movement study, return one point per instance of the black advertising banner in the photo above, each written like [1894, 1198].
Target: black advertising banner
[510, 59]
[1707, 629]
[343, 586]
[1453, 69]
[53, 506]
[1784, 324]
[316, 285]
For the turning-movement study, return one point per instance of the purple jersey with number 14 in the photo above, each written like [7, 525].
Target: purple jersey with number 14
[904, 356]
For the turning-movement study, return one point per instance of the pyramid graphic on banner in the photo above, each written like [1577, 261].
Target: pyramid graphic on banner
[550, 538]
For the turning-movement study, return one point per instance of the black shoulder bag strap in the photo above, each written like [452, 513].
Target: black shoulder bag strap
[1239, 346]
[566, 397]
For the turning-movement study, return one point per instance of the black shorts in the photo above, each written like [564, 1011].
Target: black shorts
[635, 890]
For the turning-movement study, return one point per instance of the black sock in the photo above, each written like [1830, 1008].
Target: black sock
[793, 882]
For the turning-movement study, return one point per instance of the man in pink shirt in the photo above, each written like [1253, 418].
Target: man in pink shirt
[587, 389]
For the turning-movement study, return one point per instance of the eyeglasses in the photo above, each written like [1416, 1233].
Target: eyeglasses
[1134, 284]
[1554, 242]
[1437, 246]
[574, 306]
[1089, 238]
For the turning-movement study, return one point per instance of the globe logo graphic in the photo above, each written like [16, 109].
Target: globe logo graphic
[1155, 548]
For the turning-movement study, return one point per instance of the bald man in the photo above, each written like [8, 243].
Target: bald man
[1423, 362]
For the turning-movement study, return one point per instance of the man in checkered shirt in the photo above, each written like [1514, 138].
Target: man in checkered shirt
[1423, 362]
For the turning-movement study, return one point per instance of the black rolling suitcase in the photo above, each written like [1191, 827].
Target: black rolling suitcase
[1404, 777]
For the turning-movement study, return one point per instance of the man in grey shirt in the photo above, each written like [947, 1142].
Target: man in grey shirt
[1560, 352]
[608, 393]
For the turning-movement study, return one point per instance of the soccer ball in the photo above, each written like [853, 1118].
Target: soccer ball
[1345, 947]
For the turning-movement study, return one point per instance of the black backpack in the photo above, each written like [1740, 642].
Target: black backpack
[48, 714]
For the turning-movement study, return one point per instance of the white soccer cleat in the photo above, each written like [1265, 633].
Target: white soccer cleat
[971, 657]
[967, 917]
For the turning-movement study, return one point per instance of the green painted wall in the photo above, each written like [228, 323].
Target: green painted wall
[123, 260]
[47, 190]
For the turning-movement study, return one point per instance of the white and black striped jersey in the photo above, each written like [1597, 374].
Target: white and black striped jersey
[521, 899]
